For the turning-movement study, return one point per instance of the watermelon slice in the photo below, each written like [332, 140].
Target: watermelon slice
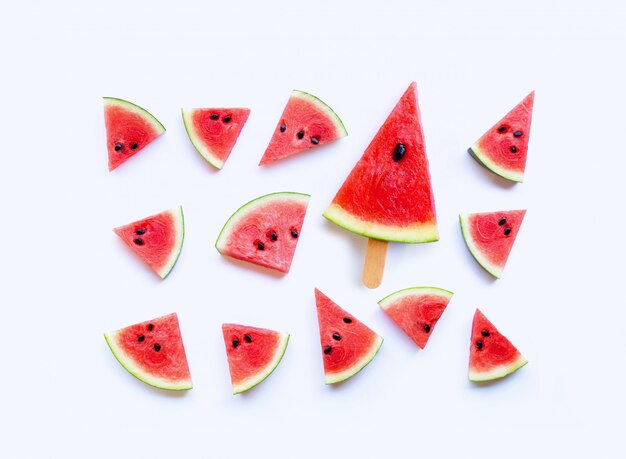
[157, 239]
[153, 352]
[253, 354]
[130, 129]
[504, 147]
[492, 356]
[388, 195]
[265, 231]
[347, 344]
[306, 122]
[490, 237]
[416, 310]
[214, 131]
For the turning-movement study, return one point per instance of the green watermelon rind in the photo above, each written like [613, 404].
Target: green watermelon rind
[204, 151]
[494, 270]
[390, 299]
[333, 378]
[250, 207]
[179, 224]
[264, 372]
[145, 114]
[414, 234]
[140, 374]
[483, 160]
[499, 372]
[339, 126]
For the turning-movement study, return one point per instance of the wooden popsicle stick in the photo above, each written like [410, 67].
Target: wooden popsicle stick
[374, 265]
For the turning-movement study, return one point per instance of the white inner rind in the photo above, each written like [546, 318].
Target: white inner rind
[332, 378]
[129, 364]
[129, 106]
[179, 225]
[498, 372]
[390, 300]
[200, 146]
[264, 372]
[489, 164]
[414, 233]
[339, 127]
[250, 207]
[492, 269]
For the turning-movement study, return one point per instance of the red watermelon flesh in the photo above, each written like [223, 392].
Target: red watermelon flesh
[388, 194]
[214, 131]
[504, 147]
[153, 352]
[265, 231]
[130, 129]
[492, 355]
[306, 122]
[416, 310]
[348, 345]
[157, 239]
[253, 354]
[490, 237]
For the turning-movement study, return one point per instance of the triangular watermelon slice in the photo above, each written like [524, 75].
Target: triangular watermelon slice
[416, 310]
[388, 195]
[130, 129]
[214, 131]
[265, 231]
[504, 147]
[306, 122]
[253, 354]
[153, 352]
[492, 356]
[347, 344]
[490, 237]
[157, 239]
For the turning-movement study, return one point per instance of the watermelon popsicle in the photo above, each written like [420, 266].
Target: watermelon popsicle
[388, 195]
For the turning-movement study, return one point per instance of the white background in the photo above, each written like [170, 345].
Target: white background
[66, 278]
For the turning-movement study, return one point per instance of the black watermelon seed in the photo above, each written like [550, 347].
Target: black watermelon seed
[283, 127]
[260, 245]
[315, 140]
[138, 241]
[140, 231]
[337, 336]
[502, 221]
[227, 119]
[301, 134]
[327, 349]
[517, 133]
[484, 333]
[157, 347]
[274, 236]
[513, 149]
[398, 152]
[347, 320]
[141, 338]
[118, 146]
[427, 328]
[214, 116]
[507, 231]
[479, 344]
[502, 128]
[150, 327]
[294, 234]
[133, 146]
[247, 338]
[235, 342]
